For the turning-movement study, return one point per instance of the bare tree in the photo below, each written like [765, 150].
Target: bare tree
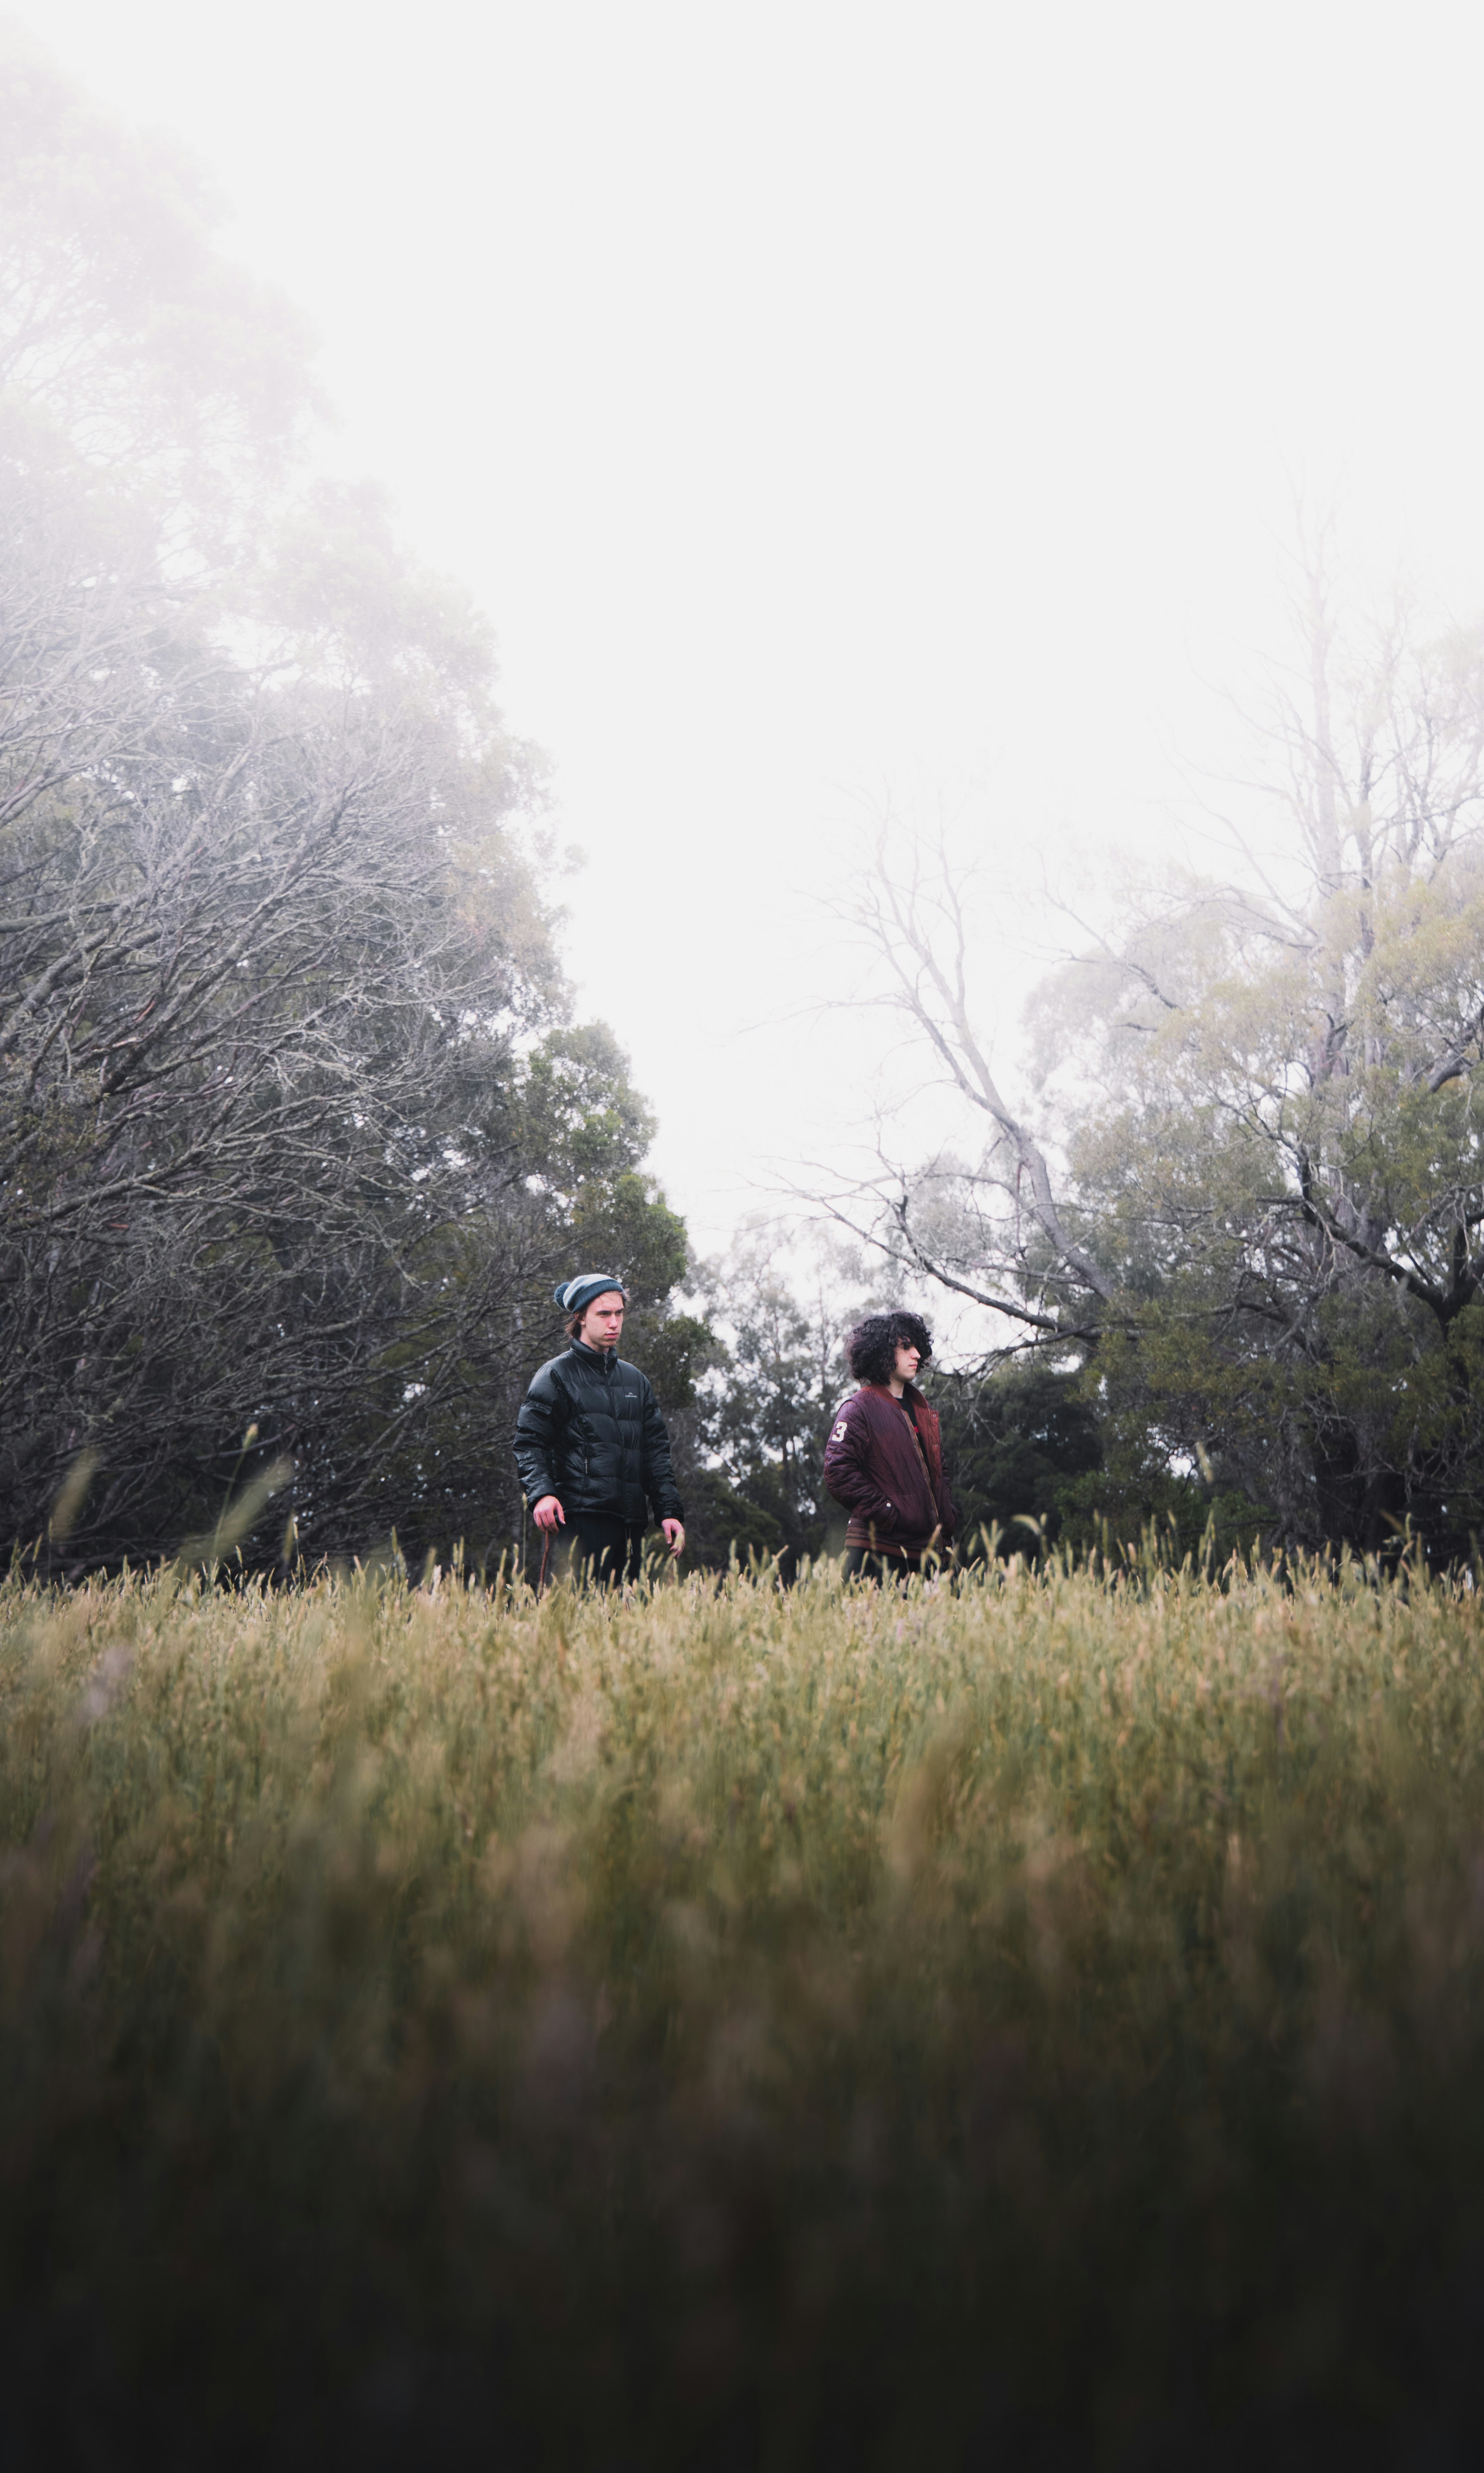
[998, 1233]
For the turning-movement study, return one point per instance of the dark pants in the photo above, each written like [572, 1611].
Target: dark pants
[600, 1549]
[860, 1564]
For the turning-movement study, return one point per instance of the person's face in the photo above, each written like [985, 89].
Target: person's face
[604, 1320]
[908, 1359]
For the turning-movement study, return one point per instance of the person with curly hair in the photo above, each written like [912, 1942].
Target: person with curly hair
[884, 1457]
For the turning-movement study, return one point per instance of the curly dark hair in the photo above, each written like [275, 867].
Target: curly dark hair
[872, 1346]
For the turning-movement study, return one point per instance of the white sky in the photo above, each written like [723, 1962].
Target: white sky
[822, 397]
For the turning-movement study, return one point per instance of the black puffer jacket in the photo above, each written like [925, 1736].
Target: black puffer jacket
[590, 1432]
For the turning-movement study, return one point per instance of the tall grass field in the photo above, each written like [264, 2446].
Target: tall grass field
[1029, 2020]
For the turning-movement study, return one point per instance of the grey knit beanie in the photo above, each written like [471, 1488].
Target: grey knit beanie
[574, 1294]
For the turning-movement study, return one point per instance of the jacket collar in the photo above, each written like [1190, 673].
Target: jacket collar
[911, 1397]
[604, 1359]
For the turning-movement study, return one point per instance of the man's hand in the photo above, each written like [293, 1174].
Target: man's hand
[548, 1512]
[674, 1535]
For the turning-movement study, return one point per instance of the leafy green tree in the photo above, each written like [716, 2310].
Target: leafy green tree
[1020, 1446]
[295, 1126]
[1245, 1192]
[781, 1316]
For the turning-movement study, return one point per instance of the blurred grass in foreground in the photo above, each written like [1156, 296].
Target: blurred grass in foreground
[1036, 2021]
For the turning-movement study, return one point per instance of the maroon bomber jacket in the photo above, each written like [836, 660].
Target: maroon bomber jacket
[896, 1495]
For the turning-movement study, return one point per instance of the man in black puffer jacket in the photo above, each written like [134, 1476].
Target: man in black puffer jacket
[590, 1443]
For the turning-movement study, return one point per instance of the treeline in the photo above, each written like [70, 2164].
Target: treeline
[297, 1127]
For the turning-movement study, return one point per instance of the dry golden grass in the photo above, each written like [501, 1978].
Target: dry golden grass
[1038, 2017]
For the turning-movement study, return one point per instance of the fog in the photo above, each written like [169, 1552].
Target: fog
[830, 404]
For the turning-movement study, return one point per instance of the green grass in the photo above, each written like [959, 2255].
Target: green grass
[1033, 2021]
